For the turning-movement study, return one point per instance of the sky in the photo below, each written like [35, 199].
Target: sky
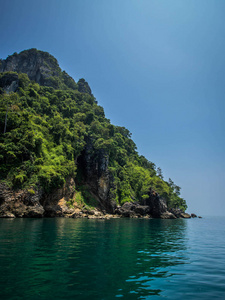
[156, 66]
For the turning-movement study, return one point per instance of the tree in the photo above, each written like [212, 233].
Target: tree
[177, 190]
[171, 183]
[159, 173]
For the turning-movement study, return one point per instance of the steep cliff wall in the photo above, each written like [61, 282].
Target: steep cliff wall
[93, 166]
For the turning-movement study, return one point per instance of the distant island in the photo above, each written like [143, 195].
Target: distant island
[61, 157]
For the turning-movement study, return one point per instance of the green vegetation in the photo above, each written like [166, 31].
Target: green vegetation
[47, 129]
[84, 198]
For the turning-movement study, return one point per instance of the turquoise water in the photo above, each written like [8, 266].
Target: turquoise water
[110, 259]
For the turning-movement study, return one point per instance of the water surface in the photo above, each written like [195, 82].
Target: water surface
[109, 259]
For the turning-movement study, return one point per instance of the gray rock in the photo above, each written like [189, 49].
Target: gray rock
[20, 203]
[7, 215]
[9, 82]
[94, 165]
[40, 66]
[142, 210]
[185, 216]
[156, 204]
[133, 210]
[167, 215]
[34, 203]
[83, 87]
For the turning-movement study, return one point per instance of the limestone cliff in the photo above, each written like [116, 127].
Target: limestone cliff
[94, 168]
[40, 66]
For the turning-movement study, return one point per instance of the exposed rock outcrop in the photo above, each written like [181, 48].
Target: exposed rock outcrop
[35, 203]
[55, 203]
[83, 87]
[178, 213]
[9, 82]
[133, 210]
[21, 203]
[40, 66]
[94, 167]
[157, 205]
[95, 172]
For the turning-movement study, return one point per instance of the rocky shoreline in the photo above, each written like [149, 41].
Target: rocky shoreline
[96, 214]
[30, 203]
[23, 204]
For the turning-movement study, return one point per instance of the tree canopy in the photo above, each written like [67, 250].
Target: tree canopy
[47, 129]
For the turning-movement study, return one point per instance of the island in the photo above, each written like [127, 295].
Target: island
[61, 157]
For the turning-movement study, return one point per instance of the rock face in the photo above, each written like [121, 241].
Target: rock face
[35, 203]
[22, 203]
[132, 210]
[94, 167]
[135, 210]
[55, 203]
[83, 87]
[40, 66]
[9, 82]
[157, 205]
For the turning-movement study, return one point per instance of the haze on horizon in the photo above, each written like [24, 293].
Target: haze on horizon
[156, 67]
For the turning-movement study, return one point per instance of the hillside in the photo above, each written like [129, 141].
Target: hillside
[58, 145]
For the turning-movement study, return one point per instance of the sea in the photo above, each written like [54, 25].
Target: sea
[63, 258]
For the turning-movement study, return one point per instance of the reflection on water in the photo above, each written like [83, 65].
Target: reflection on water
[95, 259]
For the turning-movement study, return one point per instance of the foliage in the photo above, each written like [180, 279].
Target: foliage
[47, 129]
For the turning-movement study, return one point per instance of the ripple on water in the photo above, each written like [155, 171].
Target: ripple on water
[129, 259]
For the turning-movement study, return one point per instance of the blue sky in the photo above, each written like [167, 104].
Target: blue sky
[156, 66]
